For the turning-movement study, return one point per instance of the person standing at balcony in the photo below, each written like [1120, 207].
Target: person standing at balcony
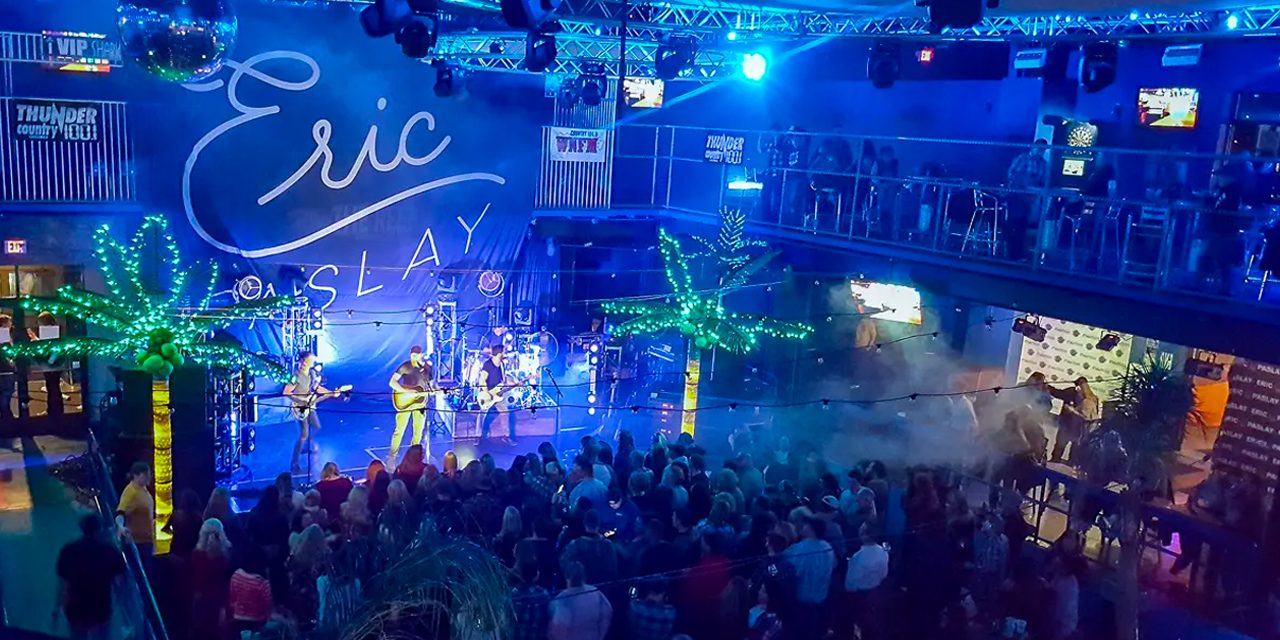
[1027, 176]
[773, 146]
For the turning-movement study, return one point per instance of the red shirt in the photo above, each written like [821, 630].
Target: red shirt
[333, 493]
[249, 598]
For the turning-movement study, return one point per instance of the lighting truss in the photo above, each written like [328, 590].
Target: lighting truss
[477, 50]
[713, 19]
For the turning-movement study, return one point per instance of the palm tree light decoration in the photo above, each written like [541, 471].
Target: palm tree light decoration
[730, 248]
[701, 317]
[146, 313]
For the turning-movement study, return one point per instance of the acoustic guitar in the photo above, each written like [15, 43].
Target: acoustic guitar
[412, 398]
[301, 411]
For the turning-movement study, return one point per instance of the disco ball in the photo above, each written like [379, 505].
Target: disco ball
[177, 40]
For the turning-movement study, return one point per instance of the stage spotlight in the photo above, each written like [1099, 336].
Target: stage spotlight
[1233, 21]
[539, 51]
[385, 17]
[754, 65]
[731, 36]
[957, 14]
[528, 14]
[418, 37]
[449, 78]
[1108, 342]
[1098, 66]
[885, 64]
[591, 84]
[674, 56]
[1030, 329]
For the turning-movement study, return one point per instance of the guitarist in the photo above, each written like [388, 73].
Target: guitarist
[413, 377]
[305, 389]
[491, 381]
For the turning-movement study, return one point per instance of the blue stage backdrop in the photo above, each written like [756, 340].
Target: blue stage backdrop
[321, 162]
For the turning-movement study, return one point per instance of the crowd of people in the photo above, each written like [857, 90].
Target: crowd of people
[642, 544]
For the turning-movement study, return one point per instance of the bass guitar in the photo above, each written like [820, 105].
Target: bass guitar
[301, 411]
[412, 398]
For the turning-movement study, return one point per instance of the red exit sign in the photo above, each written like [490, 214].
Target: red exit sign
[15, 247]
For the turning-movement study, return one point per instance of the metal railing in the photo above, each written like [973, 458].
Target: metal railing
[1162, 221]
[65, 151]
[136, 597]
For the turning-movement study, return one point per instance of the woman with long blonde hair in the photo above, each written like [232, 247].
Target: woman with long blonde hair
[356, 519]
[210, 578]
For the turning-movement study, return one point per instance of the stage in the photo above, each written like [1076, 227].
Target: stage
[356, 432]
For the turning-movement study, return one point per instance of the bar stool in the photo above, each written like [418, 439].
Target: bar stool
[1256, 264]
[825, 194]
[984, 223]
[1146, 234]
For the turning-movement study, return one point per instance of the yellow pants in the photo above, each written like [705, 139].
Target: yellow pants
[419, 418]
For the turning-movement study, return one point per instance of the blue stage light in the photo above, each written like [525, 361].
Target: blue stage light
[1233, 21]
[754, 65]
[733, 35]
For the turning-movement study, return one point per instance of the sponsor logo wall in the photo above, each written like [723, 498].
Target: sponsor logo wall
[1070, 351]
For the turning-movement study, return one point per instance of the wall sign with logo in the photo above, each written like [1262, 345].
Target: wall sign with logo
[723, 149]
[1249, 440]
[75, 51]
[577, 145]
[55, 120]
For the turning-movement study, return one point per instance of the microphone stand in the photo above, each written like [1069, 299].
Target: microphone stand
[559, 394]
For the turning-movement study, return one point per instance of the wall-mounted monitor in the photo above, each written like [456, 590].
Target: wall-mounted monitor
[1171, 107]
[896, 302]
[643, 93]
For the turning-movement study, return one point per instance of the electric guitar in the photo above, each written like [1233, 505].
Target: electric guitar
[412, 398]
[301, 411]
[486, 398]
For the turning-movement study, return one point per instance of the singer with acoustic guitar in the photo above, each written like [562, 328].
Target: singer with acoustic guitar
[413, 391]
[306, 391]
[491, 387]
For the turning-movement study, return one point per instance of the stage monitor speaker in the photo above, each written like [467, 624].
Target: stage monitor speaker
[193, 464]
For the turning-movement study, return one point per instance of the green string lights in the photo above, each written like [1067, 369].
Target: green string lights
[147, 285]
[701, 316]
[730, 248]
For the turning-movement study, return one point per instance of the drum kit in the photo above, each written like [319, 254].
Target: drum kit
[522, 366]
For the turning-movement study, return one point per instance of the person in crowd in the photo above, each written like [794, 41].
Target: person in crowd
[306, 565]
[290, 498]
[990, 559]
[371, 472]
[398, 515]
[588, 487]
[1065, 586]
[449, 470]
[721, 520]
[313, 509]
[136, 513]
[483, 510]
[379, 491]
[597, 555]
[1027, 175]
[512, 531]
[334, 489]
[184, 525]
[763, 621]
[219, 508]
[814, 561]
[267, 525]
[355, 519]
[249, 599]
[699, 487]
[867, 570]
[412, 466]
[88, 569]
[1071, 418]
[650, 616]
[530, 604]
[580, 611]
[701, 588]
[210, 579]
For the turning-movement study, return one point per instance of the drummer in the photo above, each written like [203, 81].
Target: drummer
[496, 337]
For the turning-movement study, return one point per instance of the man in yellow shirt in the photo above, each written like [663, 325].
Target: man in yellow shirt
[136, 515]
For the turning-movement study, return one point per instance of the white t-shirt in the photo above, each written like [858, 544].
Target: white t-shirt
[867, 568]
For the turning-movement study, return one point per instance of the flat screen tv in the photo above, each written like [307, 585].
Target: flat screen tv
[896, 302]
[1171, 107]
[643, 93]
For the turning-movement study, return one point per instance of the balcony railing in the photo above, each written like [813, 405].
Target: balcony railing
[65, 151]
[1192, 223]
